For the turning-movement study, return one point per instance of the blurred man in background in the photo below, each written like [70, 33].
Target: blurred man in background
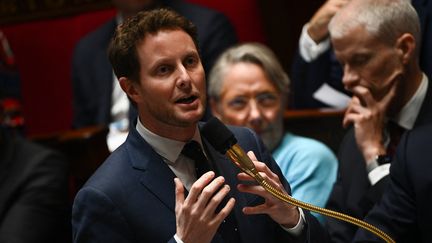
[315, 72]
[248, 87]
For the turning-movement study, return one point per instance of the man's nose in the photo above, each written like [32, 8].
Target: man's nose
[183, 78]
[350, 78]
[254, 116]
[254, 110]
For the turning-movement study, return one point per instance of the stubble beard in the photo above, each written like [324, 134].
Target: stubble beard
[170, 117]
[271, 138]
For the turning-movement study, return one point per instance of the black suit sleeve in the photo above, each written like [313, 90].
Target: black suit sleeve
[396, 214]
[37, 210]
[102, 222]
[352, 192]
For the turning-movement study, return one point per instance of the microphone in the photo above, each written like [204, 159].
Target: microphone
[224, 141]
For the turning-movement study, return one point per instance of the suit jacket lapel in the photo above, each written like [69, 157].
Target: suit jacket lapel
[156, 176]
[227, 168]
[159, 179]
[230, 171]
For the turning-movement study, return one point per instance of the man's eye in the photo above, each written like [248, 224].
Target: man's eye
[360, 60]
[163, 70]
[237, 103]
[191, 61]
[267, 99]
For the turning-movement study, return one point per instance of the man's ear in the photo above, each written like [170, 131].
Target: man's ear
[215, 109]
[130, 88]
[406, 44]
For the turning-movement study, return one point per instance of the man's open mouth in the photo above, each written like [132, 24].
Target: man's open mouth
[187, 100]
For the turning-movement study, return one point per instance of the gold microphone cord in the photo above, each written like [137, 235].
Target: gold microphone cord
[238, 156]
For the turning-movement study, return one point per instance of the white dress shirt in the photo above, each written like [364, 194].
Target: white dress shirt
[309, 50]
[170, 150]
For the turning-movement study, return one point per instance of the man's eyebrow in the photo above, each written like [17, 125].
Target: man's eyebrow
[192, 53]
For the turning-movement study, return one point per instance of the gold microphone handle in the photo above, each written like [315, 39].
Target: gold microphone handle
[238, 156]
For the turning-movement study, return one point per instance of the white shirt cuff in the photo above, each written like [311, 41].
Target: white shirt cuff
[177, 239]
[378, 173]
[298, 229]
[309, 50]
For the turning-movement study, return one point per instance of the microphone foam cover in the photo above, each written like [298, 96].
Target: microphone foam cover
[218, 135]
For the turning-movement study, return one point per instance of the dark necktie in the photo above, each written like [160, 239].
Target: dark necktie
[228, 229]
[395, 133]
[193, 151]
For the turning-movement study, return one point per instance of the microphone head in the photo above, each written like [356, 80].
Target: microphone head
[218, 135]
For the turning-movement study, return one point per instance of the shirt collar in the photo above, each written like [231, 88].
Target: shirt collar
[409, 113]
[168, 148]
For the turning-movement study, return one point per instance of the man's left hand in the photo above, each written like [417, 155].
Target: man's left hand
[281, 212]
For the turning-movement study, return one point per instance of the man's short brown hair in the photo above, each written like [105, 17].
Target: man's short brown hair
[122, 51]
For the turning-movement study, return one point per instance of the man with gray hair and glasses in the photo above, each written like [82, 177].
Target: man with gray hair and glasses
[248, 87]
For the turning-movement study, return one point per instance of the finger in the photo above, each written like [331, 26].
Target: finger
[179, 194]
[244, 177]
[198, 186]
[355, 101]
[263, 170]
[216, 199]
[352, 118]
[357, 109]
[364, 95]
[210, 191]
[259, 209]
[225, 211]
[268, 176]
[252, 156]
[262, 167]
[346, 121]
[354, 108]
[253, 189]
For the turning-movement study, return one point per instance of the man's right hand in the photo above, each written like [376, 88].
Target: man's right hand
[318, 25]
[369, 116]
[196, 216]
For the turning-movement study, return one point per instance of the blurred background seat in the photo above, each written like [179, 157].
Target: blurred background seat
[85, 149]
